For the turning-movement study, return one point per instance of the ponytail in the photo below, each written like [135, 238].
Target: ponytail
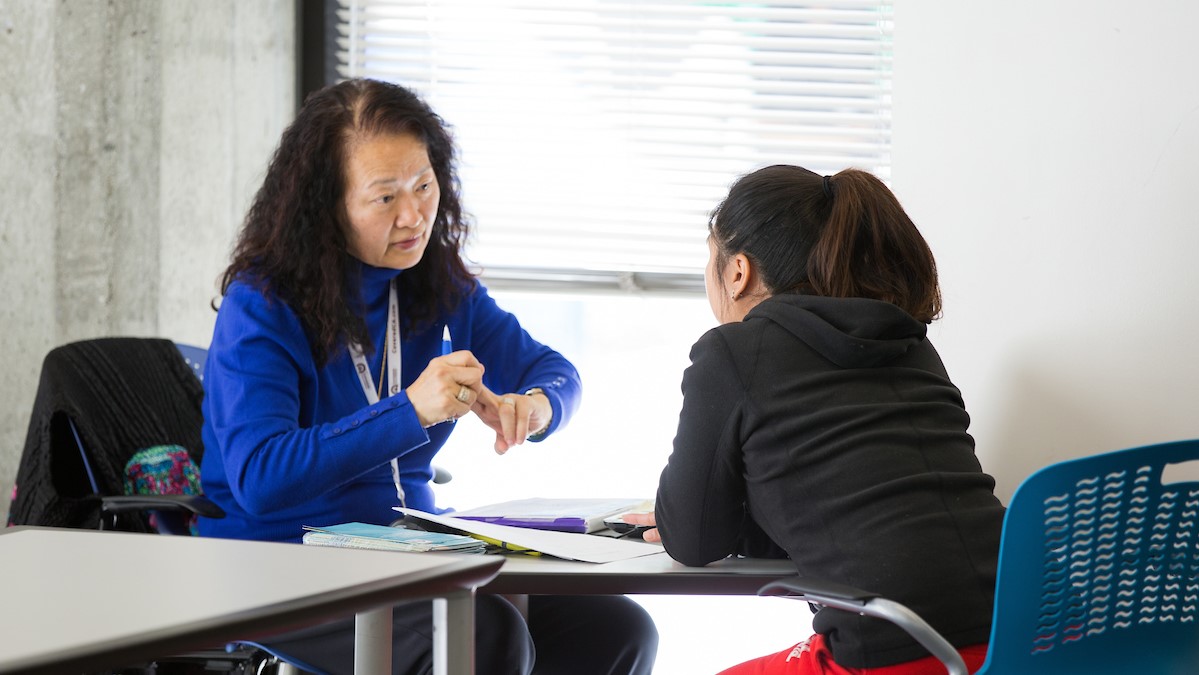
[870, 248]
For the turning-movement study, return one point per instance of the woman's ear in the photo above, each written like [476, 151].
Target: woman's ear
[739, 276]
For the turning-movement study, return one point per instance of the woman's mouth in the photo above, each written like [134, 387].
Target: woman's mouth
[406, 244]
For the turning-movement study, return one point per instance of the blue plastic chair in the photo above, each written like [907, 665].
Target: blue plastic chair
[1098, 571]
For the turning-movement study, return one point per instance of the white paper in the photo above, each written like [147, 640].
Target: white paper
[590, 512]
[566, 545]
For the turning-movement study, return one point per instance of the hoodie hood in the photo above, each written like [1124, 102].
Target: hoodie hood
[850, 332]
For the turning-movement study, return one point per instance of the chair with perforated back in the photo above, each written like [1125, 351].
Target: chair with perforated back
[1098, 571]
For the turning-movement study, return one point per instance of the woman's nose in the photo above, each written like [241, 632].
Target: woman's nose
[407, 213]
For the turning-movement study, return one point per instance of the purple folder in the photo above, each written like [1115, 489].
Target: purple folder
[562, 515]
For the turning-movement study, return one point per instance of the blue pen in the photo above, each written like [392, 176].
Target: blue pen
[446, 345]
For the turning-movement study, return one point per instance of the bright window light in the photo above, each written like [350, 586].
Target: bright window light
[597, 135]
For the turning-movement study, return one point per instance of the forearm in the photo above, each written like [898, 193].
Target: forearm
[701, 493]
[272, 465]
[694, 528]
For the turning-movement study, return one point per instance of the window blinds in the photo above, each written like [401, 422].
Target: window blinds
[596, 136]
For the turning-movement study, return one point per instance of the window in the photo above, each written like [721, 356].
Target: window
[597, 135]
[630, 350]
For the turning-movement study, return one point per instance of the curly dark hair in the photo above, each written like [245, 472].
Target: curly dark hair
[293, 243]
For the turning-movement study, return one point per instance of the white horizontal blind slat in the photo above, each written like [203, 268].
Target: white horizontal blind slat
[597, 135]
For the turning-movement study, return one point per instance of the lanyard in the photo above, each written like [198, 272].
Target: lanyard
[391, 352]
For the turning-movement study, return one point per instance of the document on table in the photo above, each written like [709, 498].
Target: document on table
[565, 545]
[563, 515]
[384, 538]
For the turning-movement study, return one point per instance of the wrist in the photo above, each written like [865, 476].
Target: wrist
[549, 418]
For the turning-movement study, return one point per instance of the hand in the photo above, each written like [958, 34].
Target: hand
[647, 518]
[447, 388]
[512, 416]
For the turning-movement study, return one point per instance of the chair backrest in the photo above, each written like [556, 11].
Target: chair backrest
[113, 397]
[194, 357]
[1099, 567]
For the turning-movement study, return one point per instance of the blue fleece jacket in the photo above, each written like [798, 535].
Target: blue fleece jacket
[288, 444]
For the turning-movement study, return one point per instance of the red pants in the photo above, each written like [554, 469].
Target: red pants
[813, 657]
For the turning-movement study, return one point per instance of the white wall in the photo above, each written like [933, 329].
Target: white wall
[1048, 150]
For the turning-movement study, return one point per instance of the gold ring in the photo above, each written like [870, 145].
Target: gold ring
[463, 394]
[508, 400]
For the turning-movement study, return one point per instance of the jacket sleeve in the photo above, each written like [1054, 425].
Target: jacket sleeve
[259, 363]
[514, 362]
[700, 506]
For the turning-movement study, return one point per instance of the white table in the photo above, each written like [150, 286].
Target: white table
[655, 574]
[524, 575]
[76, 600]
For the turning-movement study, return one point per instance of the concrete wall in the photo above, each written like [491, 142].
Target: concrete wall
[1048, 151]
[132, 136]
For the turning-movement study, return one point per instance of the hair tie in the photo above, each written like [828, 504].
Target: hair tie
[828, 187]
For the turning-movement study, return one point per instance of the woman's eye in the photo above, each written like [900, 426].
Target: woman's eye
[385, 199]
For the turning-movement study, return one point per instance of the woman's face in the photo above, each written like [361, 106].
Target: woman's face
[713, 284]
[391, 200]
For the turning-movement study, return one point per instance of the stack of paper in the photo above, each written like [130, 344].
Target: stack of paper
[563, 515]
[384, 538]
[565, 545]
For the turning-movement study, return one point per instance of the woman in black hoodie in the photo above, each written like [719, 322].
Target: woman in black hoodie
[819, 423]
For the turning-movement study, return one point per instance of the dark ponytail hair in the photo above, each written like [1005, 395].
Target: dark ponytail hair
[842, 236]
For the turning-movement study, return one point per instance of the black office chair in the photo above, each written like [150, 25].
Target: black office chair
[100, 404]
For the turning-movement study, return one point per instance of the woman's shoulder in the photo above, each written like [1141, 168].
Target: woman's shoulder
[731, 336]
[248, 291]
[247, 300]
[475, 299]
[744, 347]
[718, 344]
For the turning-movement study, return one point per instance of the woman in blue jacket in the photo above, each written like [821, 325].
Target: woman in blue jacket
[329, 385]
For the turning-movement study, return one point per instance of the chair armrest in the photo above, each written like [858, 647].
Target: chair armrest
[197, 504]
[441, 476]
[850, 599]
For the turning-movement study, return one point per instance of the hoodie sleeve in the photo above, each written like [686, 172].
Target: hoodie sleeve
[700, 506]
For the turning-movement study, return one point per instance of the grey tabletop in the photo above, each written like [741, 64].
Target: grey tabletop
[80, 599]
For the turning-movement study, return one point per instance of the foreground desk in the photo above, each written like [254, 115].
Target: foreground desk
[652, 574]
[78, 600]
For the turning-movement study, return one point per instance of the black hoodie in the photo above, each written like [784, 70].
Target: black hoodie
[830, 426]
